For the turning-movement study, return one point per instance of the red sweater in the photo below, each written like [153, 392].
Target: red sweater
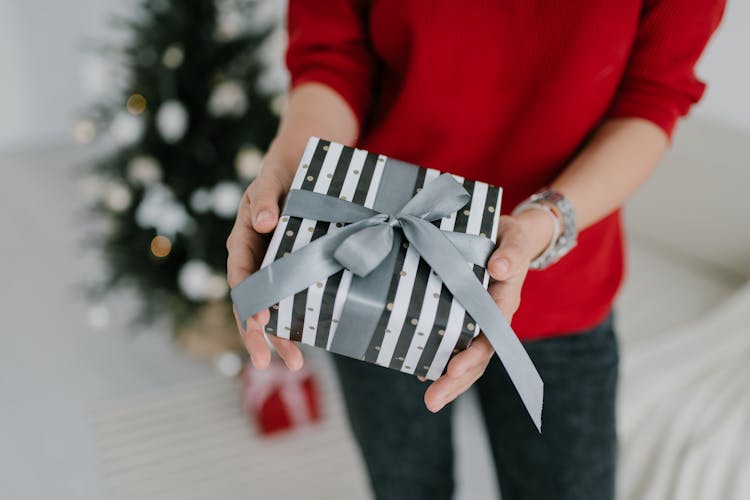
[507, 92]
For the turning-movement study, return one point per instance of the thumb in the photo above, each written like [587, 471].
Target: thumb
[510, 258]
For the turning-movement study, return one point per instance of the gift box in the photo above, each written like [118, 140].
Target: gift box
[384, 261]
[278, 399]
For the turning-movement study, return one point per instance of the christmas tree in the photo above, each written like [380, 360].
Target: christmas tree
[199, 107]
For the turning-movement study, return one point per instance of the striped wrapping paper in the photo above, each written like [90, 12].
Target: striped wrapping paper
[422, 326]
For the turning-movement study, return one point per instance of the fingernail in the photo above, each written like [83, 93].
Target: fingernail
[501, 265]
[264, 216]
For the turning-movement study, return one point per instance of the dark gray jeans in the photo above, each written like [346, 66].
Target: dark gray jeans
[409, 451]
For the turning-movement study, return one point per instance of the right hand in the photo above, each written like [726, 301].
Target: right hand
[257, 215]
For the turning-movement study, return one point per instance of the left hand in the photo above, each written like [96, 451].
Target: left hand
[522, 238]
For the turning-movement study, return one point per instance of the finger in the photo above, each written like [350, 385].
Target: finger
[479, 351]
[288, 352]
[446, 389]
[265, 196]
[463, 370]
[255, 343]
[509, 259]
[245, 247]
[507, 295]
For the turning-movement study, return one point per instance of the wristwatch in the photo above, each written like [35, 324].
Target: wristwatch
[561, 210]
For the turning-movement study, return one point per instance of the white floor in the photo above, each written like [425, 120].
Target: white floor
[59, 377]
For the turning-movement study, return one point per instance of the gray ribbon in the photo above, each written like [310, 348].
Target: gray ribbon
[370, 241]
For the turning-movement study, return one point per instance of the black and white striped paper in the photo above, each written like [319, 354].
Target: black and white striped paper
[421, 326]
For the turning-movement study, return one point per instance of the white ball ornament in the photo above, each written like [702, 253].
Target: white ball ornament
[144, 170]
[172, 121]
[193, 279]
[229, 364]
[117, 196]
[248, 162]
[126, 128]
[201, 201]
[217, 287]
[226, 198]
[227, 99]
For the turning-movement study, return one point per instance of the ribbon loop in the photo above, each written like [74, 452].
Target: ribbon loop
[363, 251]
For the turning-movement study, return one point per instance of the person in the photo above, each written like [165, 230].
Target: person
[566, 105]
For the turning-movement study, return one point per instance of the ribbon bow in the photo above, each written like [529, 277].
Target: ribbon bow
[369, 241]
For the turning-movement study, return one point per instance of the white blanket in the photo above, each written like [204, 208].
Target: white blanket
[685, 410]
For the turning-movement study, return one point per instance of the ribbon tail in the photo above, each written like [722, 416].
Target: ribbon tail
[292, 273]
[442, 256]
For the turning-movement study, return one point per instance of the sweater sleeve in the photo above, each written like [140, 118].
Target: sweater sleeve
[328, 44]
[659, 83]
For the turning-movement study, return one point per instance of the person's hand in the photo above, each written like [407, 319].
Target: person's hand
[257, 215]
[522, 238]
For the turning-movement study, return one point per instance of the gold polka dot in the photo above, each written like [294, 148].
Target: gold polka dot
[310, 309]
[334, 321]
[285, 254]
[387, 330]
[420, 347]
[400, 358]
[285, 219]
[290, 233]
[466, 212]
[405, 245]
[269, 329]
[311, 229]
[355, 171]
[407, 367]
[287, 328]
[382, 158]
[310, 178]
[483, 235]
[441, 332]
[305, 165]
[420, 334]
[377, 347]
[389, 306]
[470, 327]
[311, 327]
[435, 295]
[319, 284]
[325, 148]
[455, 351]
[329, 175]
[419, 189]
[275, 306]
[414, 321]
[402, 273]
[343, 197]
[426, 367]
[491, 209]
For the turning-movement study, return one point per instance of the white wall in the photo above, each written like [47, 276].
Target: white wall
[42, 60]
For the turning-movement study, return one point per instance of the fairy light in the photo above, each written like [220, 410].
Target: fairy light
[136, 104]
[161, 246]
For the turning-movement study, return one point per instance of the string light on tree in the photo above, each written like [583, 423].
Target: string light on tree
[229, 364]
[173, 56]
[160, 246]
[136, 104]
[193, 280]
